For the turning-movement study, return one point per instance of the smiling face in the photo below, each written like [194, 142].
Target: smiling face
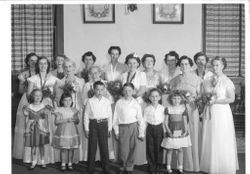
[67, 101]
[149, 63]
[176, 100]
[88, 61]
[95, 74]
[68, 68]
[37, 97]
[185, 66]
[32, 61]
[43, 65]
[201, 61]
[217, 67]
[132, 64]
[154, 97]
[114, 55]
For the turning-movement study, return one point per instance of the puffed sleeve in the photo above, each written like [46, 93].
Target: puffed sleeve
[143, 79]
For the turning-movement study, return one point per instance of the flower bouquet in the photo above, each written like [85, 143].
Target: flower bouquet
[47, 93]
[164, 88]
[115, 89]
[69, 87]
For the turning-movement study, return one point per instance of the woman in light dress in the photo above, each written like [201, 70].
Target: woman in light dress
[76, 91]
[218, 148]
[18, 142]
[139, 80]
[114, 69]
[190, 83]
[46, 82]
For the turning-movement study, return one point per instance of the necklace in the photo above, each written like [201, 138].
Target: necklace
[129, 80]
[42, 84]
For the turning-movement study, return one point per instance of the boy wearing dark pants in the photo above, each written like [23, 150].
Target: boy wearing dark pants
[98, 125]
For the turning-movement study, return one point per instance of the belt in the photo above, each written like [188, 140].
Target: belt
[100, 120]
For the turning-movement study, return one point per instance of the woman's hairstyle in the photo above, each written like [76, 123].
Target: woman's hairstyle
[27, 58]
[69, 60]
[143, 59]
[133, 56]
[59, 55]
[154, 90]
[37, 64]
[89, 53]
[222, 59]
[171, 53]
[32, 98]
[183, 58]
[115, 48]
[65, 95]
[200, 54]
[98, 83]
[175, 94]
[129, 85]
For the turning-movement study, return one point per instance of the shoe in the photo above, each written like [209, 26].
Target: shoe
[43, 166]
[32, 167]
[70, 167]
[180, 172]
[169, 171]
[63, 168]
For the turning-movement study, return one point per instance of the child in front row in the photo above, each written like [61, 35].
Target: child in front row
[127, 121]
[36, 127]
[66, 136]
[98, 127]
[154, 117]
[177, 130]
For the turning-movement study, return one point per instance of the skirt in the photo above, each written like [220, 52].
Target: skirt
[176, 143]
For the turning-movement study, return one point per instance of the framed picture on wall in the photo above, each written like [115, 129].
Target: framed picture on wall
[99, 13]
[168, 13]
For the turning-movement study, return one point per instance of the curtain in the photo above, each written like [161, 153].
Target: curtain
[32, 31]
[224, 32]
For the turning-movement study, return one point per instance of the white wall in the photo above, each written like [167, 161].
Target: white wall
[133, 33]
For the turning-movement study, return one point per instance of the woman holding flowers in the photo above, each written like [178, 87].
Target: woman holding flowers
[189, 83]
[73, 85]
[218, 149]
[46, 82]
[18, 142]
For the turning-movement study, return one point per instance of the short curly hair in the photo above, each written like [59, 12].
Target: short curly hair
[65, 95]
[143, 59]
[187, 58]
[37, 64]
[132, 56]
[88, 53]
[174, 94]
[221, 59]
[115, 48]
[200, 54]
[28, 56]
[171, 53]
[31, 96]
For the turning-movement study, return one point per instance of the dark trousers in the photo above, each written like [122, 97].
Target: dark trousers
[98, 132]
[154, 136]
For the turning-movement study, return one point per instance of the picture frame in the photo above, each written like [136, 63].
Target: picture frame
[98, 13]
[168, 13]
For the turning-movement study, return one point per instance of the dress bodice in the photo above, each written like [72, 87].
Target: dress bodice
[49, 82]
[153, 80]
[112, 73]
[222, 86]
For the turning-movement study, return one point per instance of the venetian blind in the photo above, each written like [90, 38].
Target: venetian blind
[224, 35]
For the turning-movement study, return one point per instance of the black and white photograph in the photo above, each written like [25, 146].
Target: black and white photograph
[127, 87]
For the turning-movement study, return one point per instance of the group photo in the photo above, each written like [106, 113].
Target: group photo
[128, 88]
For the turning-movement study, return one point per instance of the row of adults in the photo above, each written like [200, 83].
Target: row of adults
[208, 151]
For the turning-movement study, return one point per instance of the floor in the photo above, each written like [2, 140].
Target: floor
[19, 168]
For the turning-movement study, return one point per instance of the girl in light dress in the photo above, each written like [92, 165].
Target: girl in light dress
[18, 142]
[36, 127]
[177, 130]
[66, 137]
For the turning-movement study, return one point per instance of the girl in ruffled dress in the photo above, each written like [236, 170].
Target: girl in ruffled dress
[36, 127]
[177, 130]
[66, 137]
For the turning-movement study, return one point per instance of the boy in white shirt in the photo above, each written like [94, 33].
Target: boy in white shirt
[98, 125]
[127, 118]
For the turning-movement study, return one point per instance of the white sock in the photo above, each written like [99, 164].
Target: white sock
[69, 164]
[181, 168]
[168, 167]
[63, 164]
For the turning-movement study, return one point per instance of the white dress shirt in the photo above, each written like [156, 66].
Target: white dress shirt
[98, 109]
[127, 112]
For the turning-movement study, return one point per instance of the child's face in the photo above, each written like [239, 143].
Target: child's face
[99, 90]
[37, 97]
[95, 74]
[176, 100]
[128, 91]
[67, 102]
[154, 97]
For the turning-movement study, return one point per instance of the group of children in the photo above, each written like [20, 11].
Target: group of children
[164, 128]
